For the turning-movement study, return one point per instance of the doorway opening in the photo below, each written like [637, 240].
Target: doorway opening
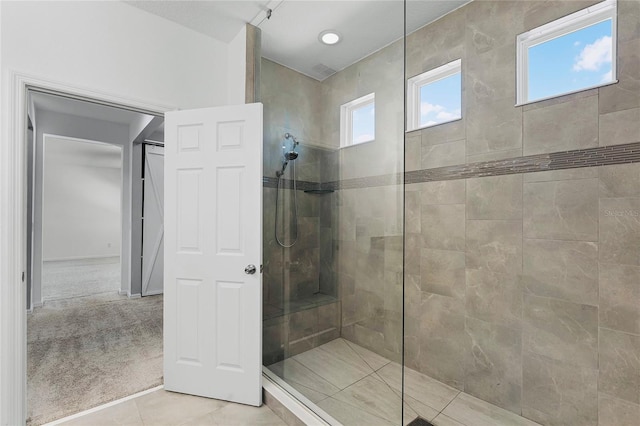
[81, 218]
[91, 337]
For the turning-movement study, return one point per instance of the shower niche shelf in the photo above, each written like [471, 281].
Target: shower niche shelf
[319, 191]
[273, 311]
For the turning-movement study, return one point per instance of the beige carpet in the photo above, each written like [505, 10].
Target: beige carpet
[80, 277]
[86, 351]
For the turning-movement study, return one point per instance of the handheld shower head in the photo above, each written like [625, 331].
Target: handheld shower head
[291, 155]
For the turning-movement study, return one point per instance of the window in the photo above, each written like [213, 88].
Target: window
[358, 121]
[435, 96]
[567, 55]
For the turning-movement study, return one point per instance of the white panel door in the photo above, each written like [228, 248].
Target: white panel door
[153, 221]
[213, 232]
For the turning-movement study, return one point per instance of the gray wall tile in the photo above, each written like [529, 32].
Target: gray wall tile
[617, 412]
[620, 297]
[442, 272]
[543, 132]
[483, 35]
[628, 22]
[493, 364]
[497, 197]
[485, 76]
[566, 270]
[444, 154]
[412, 201]
[494, 297]
[557, 393]
[495, 245]
[494, 126]
[563, 210]
[413, 151]
[620, 127]
[446, 42]
[622, 180]
[620, 230]
[443, 133]
[442, 339]
[443, 192]
[443, 226]
[560, 330]
[494, 155]
[569, 174]
[620, 365]
[626, 93]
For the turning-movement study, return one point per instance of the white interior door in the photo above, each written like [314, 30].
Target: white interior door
[153, 221]
[213, 231]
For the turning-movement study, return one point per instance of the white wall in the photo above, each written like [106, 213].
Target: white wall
[72, 126]
[115, 48]
[108, 47]
[237, 69]
[81, 199]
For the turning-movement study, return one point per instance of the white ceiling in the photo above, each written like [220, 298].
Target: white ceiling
[220, 19]
[290, 36]
[62, 105]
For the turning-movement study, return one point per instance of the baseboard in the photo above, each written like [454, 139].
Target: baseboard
[297, 412]
[155, 293]
[62, 259]
[102, 407]
[129, 295]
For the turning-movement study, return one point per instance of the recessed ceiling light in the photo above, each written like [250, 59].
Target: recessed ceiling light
[329, 37]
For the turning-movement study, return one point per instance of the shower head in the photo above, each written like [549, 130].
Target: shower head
[291, 155]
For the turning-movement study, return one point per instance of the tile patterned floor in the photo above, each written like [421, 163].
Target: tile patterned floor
[167, 408]
[359, 387]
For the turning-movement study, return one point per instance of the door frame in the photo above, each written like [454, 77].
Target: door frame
[13, 212]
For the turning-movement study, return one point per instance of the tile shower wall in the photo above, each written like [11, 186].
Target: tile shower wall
[300, 305]
[369, 233]
[524, 289]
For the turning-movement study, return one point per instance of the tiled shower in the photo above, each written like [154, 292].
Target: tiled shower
[497, 255]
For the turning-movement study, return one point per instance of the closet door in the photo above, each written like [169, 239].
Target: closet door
[153, 221]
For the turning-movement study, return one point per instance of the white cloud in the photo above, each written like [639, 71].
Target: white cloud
[364, 138]
[430, 123]
[426, 108]
[446, 115]
[577, 43]
[607, 77]
[594, 55]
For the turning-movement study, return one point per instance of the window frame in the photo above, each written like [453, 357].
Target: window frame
[600, 12]
[346, 119]
[416, 83]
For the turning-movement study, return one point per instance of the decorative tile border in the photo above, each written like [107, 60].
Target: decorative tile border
[579, 158]
[592, 157]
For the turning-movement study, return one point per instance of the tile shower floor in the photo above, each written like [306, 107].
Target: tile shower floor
[358, 387]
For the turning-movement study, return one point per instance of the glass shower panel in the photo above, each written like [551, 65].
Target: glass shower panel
[333, 217]
[522, 231]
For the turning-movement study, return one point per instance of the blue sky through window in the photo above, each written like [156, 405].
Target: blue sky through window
[364, 124]
[441, 101]
[571, 62]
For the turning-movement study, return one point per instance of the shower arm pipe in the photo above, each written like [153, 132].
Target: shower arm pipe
[293, 138]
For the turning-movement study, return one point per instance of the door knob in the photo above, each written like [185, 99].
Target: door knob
[250, 269]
